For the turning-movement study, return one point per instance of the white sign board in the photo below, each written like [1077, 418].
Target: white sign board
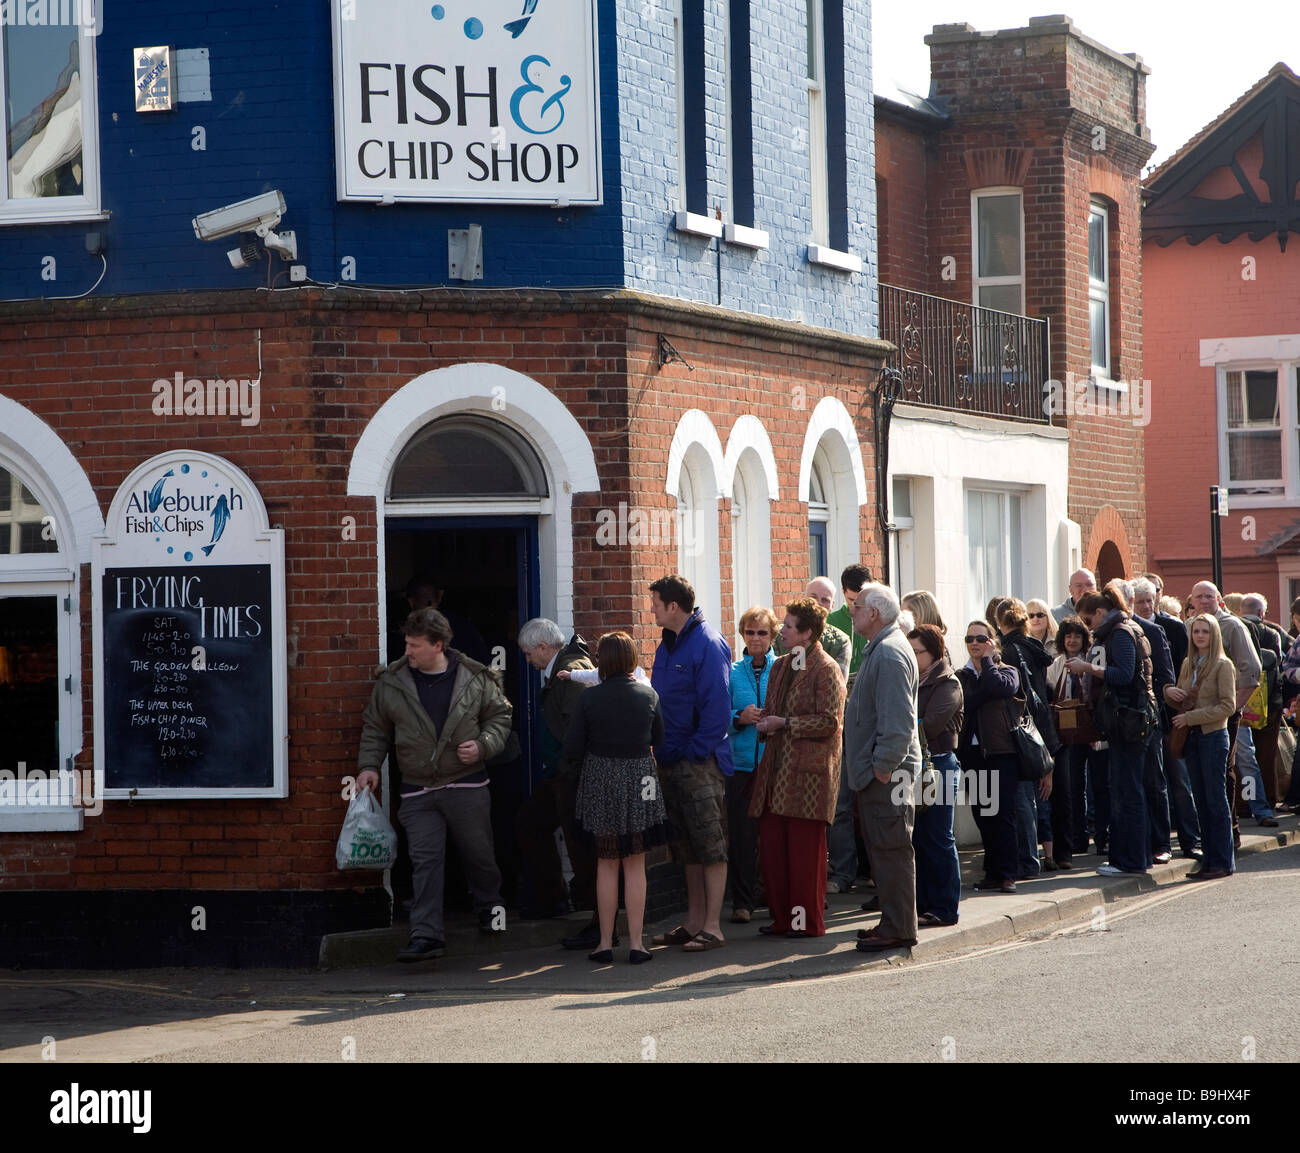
[490, 101]
[189, 636]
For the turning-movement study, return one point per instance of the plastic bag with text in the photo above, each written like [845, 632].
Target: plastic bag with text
[367, 841]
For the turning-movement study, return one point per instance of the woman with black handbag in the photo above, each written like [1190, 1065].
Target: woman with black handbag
[1027, 655]
[985, 749]
[1125, 710]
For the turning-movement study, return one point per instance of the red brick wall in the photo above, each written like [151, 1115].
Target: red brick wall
[328, 365]
[1196, 293]
[902, 207]
[1024, 113]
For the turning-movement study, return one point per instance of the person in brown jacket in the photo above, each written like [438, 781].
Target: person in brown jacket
[798, 778]
[1206, 694]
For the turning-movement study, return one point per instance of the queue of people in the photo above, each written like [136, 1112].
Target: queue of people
[765, 772]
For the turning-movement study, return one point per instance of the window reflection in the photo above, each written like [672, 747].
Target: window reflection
[42, 96]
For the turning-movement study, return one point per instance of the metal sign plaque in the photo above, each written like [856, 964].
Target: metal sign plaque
[153, 71]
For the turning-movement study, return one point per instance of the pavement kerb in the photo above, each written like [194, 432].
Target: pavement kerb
[985, 920]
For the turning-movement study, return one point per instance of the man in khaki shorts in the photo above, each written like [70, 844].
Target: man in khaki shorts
[692, 673]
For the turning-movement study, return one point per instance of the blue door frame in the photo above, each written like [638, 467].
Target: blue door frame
[529, 598]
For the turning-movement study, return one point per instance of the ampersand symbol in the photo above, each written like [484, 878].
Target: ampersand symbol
[528, 87]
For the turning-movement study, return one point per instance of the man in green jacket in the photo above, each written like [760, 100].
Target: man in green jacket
[446, 717]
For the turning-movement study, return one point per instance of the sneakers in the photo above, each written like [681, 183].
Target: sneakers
[422, 949]
[1109, 871]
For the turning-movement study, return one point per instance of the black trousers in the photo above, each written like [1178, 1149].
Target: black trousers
[1062, 801]
[550, 807]
[742, 838]
[997, 778]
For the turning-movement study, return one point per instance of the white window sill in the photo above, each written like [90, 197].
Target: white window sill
[1097, 380]
[744, 237]
[831, 258]
[71, 216]
[697, 225]
[41, 819]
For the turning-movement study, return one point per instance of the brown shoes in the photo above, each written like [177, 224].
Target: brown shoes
[871, 941]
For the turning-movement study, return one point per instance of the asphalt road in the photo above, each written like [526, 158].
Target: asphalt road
[1199, 973]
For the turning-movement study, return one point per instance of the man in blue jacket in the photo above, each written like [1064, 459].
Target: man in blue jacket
[692, 672]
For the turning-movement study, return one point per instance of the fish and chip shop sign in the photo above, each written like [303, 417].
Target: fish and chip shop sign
[189, 636]
[467, 101]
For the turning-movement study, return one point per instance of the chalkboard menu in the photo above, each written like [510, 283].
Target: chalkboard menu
[190, 662]
[187, 689]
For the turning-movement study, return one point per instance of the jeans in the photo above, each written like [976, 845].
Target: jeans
[1180, 801]
[1157, 793]
[938, 868]
[1130, 843]
[1027, 864]
[841, 843]
[1252, 780]
[1207, 766]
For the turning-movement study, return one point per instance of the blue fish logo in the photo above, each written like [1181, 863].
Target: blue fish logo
[516, 27]
[219, 518]
[156, 493]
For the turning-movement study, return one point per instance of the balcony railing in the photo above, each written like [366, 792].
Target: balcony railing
[965, 358]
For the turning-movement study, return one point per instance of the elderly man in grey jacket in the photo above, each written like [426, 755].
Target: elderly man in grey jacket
[882, 758]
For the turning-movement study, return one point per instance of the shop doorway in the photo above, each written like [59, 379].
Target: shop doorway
[483, 573]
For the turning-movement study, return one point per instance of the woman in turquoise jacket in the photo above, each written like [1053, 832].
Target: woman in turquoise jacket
[748, 692]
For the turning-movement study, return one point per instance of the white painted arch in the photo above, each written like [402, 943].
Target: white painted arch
[513, 399]
[41, 458]
[694, 428]
[830, 416]
[748, 432]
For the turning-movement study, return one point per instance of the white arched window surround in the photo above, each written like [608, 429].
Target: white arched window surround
[830, 430]
[513, 399]
[751, 467]
[696, 450]
[34, 452]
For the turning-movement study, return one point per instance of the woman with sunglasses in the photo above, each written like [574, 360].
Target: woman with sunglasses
[985, 749]
[748, 693]
[1041, 623]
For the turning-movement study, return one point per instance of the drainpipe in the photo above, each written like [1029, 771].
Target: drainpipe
[888, 385]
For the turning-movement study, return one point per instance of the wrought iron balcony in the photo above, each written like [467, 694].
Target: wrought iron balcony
[965, 358]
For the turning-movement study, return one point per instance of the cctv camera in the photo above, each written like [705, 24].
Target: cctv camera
[247, 253]
[257, 214]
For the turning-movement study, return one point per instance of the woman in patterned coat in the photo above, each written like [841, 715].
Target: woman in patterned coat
[798, 779]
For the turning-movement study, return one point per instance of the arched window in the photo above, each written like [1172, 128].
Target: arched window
[25, 527]
[467, 456]
[751, 537]
[697, 532]
[821, 496]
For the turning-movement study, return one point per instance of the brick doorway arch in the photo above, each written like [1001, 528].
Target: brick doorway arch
[1109, 564]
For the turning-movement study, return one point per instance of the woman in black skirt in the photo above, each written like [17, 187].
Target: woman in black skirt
[619, 801]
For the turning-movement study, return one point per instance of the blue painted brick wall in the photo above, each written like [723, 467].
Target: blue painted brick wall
[271, 125]
[778, 282]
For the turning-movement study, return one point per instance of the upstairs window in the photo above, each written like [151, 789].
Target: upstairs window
[47, 84]
[1254, 432]
[1099, 290]
[998, 259]
[692, 171]
[815, 76]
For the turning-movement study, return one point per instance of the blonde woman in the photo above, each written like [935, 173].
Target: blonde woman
[924, 609]
[1042, 625]
[1206, 694]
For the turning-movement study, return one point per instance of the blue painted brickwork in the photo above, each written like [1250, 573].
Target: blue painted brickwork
[778, 282]
[271, 125]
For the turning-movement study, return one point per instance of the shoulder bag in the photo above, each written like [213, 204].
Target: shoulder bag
[1032, 755]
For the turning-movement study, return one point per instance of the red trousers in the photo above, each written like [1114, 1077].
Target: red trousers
[793, 852]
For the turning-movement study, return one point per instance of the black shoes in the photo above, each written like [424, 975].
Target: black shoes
[487, 919]
[588, 938]
[1267, 823]
[602, 956]
[639, 956]
[422, 949]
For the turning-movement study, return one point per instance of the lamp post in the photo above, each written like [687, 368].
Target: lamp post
[1218, 508]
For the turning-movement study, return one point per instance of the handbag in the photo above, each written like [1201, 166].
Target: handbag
[927, 780]
[1073, 717]
[1122, 724]
[1178, 734]
[1285, 757]
[1032, 757]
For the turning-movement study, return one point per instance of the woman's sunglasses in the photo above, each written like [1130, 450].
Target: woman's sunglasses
[1037, 616]
[979, 639]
